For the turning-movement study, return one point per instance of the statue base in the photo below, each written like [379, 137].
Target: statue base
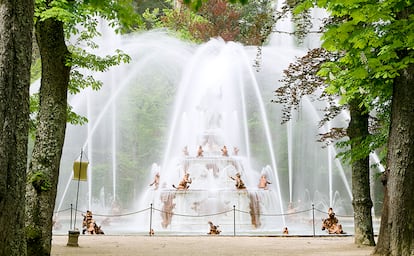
[73, 238]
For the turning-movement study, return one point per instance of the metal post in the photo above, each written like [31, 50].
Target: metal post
[150, 227]
[313, 219]
[234, 220]
[70, 216]
[77, 192]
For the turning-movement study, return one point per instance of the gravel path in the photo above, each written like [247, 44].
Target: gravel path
[208, 245]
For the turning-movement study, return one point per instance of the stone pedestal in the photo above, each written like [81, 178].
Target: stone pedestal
[73, 238]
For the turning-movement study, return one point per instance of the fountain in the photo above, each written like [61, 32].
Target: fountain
[153, 115]
[211, 115]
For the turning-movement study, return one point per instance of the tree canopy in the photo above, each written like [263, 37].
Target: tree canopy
[371, 36]
[374, 42]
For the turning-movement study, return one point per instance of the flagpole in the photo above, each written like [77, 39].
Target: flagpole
[77, 192]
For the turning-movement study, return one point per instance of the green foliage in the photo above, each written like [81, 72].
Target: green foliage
[75, 119]
[81, 58]
[40, 181]
[371, 39]
[33, 237]
[361, 147]
[84, 15]
[366, 44]
[300, 16]
[33, 234]
[177, 21]
[142, 5]
[196, 4]
[142, 113]
[35, 70]
[375, 42]
[80, 19]
[81, 23]
[34, 107]
[79, 81]
[151, 18]
[250, 24]
[256, 22]
[34, 241]
[52, 9]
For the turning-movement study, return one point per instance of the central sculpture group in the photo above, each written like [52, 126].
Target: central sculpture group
[184, 183]
[167, 198]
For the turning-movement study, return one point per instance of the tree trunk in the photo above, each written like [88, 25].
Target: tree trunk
[383, 244]
[362, 203]
[400, 162]
[396, 235]
[16, 25]
[44, 168]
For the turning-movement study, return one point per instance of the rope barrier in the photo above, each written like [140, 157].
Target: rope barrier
[61, 211]
[343, 216]
[114, 215]
[207, 215]
[170, 214]
[275, 214]
[320, 211]
[120, 215]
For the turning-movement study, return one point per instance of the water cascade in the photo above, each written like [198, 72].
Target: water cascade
[211, 113]
[213, 98]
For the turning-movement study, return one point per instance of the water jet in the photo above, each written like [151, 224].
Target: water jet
[212, 97]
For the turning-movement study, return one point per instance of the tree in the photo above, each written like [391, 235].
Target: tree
[381, 53]
[219, 19]
[377, 67]
[50, 134]
[396, 220]
[54, 21]
[16, 23]
[301, 79]
[249, 24]
[358, 133]
[196, 4]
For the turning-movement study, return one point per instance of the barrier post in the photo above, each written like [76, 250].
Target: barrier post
[150, 227]
[234, 220]
[313, 219]
[70, 216]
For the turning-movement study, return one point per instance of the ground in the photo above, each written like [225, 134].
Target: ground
[103, 245]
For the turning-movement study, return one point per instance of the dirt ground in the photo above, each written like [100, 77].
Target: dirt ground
[208, 245]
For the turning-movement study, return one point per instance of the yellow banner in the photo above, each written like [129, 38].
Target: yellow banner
[80, 170]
